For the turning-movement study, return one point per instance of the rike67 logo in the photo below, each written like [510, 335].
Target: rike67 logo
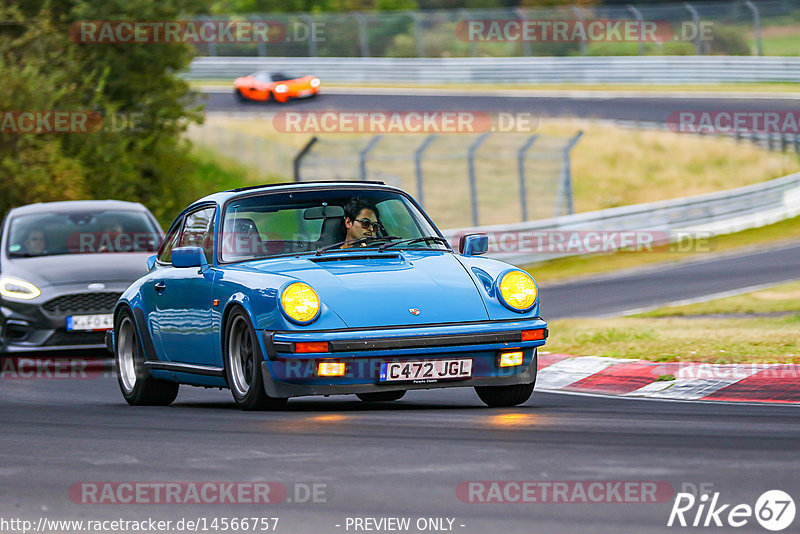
[774, 510]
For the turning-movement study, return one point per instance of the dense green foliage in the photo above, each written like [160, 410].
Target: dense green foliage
[43, 70]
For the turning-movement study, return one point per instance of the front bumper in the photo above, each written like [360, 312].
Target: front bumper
[287, 373]
[31, 326]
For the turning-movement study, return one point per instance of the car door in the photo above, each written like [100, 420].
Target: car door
[183, 297]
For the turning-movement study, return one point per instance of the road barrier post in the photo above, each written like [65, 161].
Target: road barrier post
[473, 182]
[418, 167]
[523, 193]
[362, 157]
[565, 190]
[756, 27]
[298, 159]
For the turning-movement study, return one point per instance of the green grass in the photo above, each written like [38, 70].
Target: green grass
[560, 269]
[678, 334]
[784, 298]
[741, 340]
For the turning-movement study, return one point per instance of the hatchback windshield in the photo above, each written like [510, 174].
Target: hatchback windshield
[84, 232]
[322, 221]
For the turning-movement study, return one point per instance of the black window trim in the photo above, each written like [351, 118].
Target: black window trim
[181, 220]
[303, 189]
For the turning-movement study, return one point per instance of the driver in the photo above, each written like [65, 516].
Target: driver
[35, 242]
[360, 220]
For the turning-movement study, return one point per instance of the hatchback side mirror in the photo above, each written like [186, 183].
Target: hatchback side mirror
[189, 257]
[473, 244]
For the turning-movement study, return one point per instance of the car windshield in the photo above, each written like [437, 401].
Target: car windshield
[322, 221]
[84, 232]
[280, 77]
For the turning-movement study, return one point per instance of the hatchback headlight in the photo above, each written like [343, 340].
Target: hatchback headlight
[517, 290]
[300, 302]
[281, 88]
[18, 289]
[315, 82]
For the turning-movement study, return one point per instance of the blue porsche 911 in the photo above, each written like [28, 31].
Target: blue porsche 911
[323, 288]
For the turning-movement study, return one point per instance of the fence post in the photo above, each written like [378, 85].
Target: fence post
[756, 27]
[363, 38]
[418, 167]
[565, 190]
[418, 33]
[523, 193]
[298, 158]
[698, 40]
[526, 44]
[473, 46]
[312, 43]
[638, 16]
[362, 157]
[473, 182]
[580, 16]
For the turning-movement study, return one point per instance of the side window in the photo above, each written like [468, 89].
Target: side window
[198, 231]
[170, 242]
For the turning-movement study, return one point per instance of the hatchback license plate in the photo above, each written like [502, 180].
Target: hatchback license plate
[90, 322]
[426, 371]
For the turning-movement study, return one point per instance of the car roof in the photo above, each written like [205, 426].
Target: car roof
[76, 205]
[224, 196]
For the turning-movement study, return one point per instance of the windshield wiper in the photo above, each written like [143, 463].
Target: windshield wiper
[434, 238]
[365, 239]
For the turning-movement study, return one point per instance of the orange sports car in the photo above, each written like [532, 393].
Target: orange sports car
[266, 86]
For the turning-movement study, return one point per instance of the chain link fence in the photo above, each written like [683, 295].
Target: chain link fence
[738, 27]
[460, 179]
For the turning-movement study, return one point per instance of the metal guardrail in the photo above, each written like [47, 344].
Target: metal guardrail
[587, 70]
[710, 214]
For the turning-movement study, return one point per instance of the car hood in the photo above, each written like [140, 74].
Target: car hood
[78, 268]
[385, 289]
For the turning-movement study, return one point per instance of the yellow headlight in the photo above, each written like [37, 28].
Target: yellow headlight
[300, 302]
[518, 290]
[18, 289]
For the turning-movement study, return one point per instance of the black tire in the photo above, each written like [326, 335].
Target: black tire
[381, 396]
[506, 396]
[138, 387]
[239, 96]
[243, 359]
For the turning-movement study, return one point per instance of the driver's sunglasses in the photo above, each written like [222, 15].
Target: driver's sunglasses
[367, 224]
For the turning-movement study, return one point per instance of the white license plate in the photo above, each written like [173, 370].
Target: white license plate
[90, 322]
[426, 371]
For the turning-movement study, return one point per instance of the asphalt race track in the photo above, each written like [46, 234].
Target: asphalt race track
[618, 293]
[404, 459]
[647, 108]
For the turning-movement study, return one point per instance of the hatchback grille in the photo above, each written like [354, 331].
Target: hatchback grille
[82, 303]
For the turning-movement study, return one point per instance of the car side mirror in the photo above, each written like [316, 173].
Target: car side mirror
[183, 257]
[151, 262]
[473, 244]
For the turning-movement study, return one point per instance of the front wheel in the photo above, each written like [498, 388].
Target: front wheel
[504, 396]
[243, 365]
[239, 96]
[381, 396]
[138, 387]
